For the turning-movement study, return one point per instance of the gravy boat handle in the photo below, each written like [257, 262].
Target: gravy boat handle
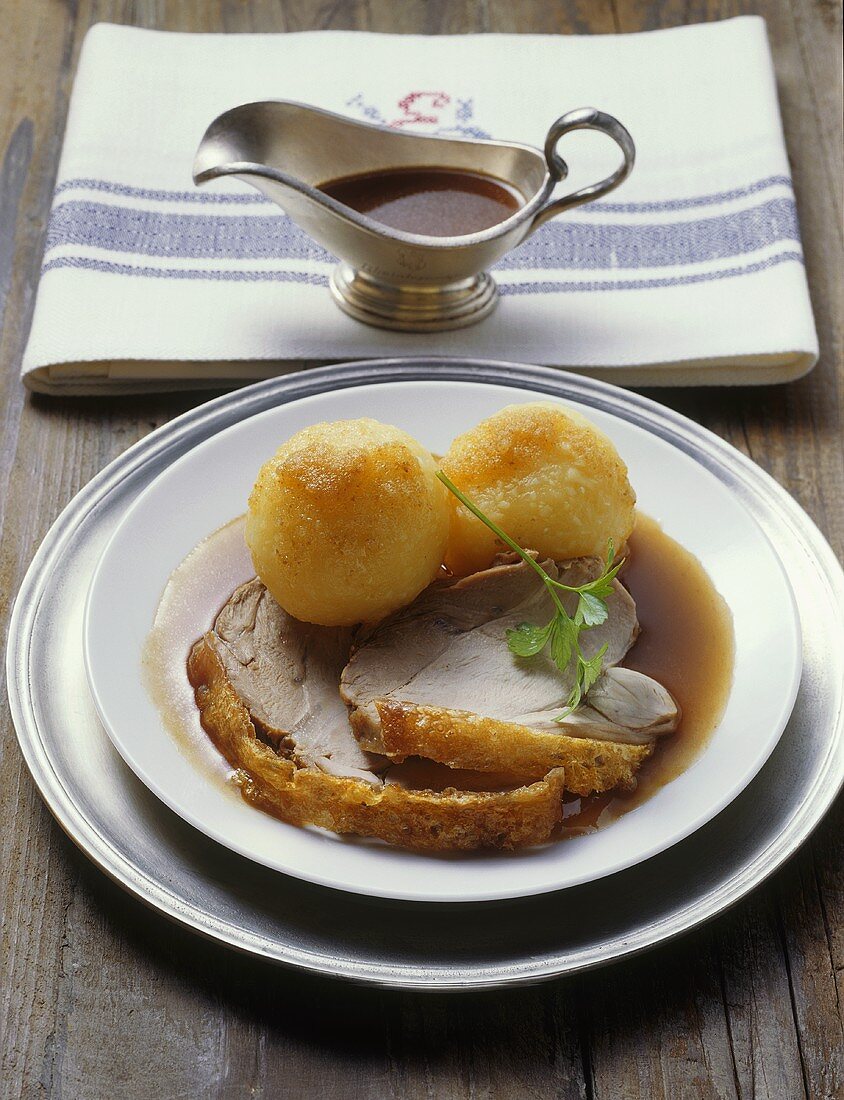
[585, 118]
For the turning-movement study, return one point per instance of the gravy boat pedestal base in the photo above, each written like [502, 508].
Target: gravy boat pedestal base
[413, 307]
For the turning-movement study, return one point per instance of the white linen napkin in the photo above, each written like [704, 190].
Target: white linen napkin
[691, 273]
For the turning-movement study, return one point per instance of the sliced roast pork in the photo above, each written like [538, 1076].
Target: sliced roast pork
[287, 674]
[267, 688]
[624, 705]
[437, 680]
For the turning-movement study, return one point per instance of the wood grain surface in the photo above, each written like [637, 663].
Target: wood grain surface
[100, 998]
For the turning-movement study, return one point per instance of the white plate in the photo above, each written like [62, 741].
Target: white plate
[175, 513]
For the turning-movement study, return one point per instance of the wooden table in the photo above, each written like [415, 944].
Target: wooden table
[100, 998]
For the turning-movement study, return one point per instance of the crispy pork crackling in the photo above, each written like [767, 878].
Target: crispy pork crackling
[267, 690]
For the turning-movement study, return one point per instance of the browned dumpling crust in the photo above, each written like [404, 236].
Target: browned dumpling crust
[545, 474]
[347, 522]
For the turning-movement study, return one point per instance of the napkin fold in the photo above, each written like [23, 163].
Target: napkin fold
[690, 273]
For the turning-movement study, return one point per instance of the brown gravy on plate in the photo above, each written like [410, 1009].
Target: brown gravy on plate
[195, 592]
[432, 202]
[686, 643]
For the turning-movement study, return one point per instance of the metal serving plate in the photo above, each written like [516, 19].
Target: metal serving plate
[136, 840]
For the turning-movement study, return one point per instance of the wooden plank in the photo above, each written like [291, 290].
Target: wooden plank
[34, 895]
[524, 1044]
[808, 927]
[766, 1049]
[540, 17]
[657, 1026]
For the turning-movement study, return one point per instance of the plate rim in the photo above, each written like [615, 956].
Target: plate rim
[827, 781]
[370, 884]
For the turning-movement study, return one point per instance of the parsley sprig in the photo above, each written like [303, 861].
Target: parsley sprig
[561, 636]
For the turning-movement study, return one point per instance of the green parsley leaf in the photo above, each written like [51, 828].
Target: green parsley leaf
[573, 702]
[592, 668]
[527, 640]
[563, 641]
[591, 609]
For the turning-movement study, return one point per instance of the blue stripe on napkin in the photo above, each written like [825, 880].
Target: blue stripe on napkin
[575, 246]
[238, 275]
[127, 190]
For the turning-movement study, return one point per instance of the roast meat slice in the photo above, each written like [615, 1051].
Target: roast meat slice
[438, 680]
[624, 705]
[287, 674]
[448, 648]
[267, 688]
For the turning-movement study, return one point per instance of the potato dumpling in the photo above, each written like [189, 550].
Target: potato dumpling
[546, 476]
[347, 522]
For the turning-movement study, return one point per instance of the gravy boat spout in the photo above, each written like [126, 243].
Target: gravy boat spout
[386, 276]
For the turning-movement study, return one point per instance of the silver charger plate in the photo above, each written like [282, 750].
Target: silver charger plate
[156, 856]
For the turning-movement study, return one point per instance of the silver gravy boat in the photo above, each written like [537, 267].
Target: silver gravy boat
[387, 277]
